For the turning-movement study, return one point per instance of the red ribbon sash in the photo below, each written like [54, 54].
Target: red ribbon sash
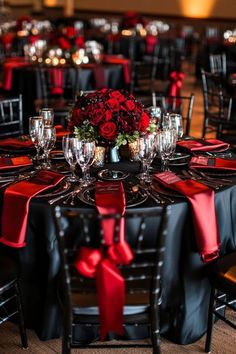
[56, 76]
[16, 206]
[204, 145]
[215, 163]
[176, 84]
[102, 264]
[202, 202]
[9, 163]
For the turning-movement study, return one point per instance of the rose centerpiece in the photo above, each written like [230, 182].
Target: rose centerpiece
[110, 117]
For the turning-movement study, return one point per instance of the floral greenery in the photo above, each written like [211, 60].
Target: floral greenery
[109, 116]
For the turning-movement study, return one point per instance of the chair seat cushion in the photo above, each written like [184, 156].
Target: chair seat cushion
[222, 274]
[8, 270]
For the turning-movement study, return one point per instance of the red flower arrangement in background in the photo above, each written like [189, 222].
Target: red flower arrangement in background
[109, 116]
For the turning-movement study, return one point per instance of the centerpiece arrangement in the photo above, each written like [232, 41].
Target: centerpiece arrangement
[110, 117]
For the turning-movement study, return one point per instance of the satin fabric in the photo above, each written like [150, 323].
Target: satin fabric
[151, 41]
[202, 201]
[176, 83]
[16, 143]
[214, 163]
[204, 145]
[16, 205]
[56, 77]
[8, 67]
[9, 163]
[102, 264]
[126, 66]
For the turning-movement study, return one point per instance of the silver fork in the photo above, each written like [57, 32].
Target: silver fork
[191, 174]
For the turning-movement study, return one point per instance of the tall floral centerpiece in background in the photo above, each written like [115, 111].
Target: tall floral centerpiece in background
[113, 118]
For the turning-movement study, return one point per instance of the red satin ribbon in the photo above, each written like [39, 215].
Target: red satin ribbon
[151, 41]
[126, 66]
[215, 163]
[56, 75]
[202, 203]
[176, 84]
[204, 145]
[102, 264]
[9, 163]
[16, 206]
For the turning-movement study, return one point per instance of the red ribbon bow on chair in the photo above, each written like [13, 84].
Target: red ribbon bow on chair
[102, 264]
[176, 83]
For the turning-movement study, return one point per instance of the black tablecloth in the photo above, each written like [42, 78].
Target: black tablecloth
[185, 287]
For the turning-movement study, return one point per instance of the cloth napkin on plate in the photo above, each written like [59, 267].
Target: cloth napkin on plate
[16, 205]
[202, 201]
[203, 162]
[203, 145]
[102, 263]
[14, 162]
[16, 143]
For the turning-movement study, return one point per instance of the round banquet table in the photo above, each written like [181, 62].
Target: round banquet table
[185, 288]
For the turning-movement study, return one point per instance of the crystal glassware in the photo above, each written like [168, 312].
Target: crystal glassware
[177, 124]
[69, 148]
[146, 151]
[35, 132]
[85, 152]
[47, 143]
[48, 116]
[165, 145]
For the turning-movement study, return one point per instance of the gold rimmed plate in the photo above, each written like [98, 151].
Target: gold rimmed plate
[59, 189]
[87, 196]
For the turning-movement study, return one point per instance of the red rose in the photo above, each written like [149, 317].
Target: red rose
[117, 96]
[144, 122]
[108, 115]
[108, 130]
[130, 105]
[113, 104]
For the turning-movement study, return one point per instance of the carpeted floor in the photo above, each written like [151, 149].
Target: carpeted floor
[224, 342]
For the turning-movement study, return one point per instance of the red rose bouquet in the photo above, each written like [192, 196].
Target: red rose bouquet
[109, 116]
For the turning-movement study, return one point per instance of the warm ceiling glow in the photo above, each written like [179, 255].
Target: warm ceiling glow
[50, 2]
[197, 8]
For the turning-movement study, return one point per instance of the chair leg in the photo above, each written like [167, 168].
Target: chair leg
[155, 329]
[23, 334]
[66, 343]
[210, 322]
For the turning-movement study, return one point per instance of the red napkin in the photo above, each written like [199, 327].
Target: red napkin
[203, 145]
[56, 75]
[61, 131]
[16, 206]
[8, 66]
[102, 264]
[201, 199]
[111, 59]
[210, 162]
[7, 163]
[16, 143]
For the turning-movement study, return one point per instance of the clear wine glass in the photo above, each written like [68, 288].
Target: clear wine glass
[35, 132]
[177, 124]
[69, 148]
[166, 144]
[146, 152]
[47, 143]
[48, 116]
[85, 152]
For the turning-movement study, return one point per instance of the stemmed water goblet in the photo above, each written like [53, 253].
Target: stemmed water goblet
[47, 115]
[146, 151]
[69, 148]
[47, 143]
[85, 152]
[165, 145]
[35, 132]
[177, 123]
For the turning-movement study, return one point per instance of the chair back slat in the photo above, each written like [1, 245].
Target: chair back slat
[11, 117]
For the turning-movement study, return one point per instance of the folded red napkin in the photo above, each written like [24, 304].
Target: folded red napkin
[7, 163]
[16, 143]
[203, 145]
[102, 264]
[126, 65]
[56, 75]
[16, 205]
[211, 162]
[201, 199]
